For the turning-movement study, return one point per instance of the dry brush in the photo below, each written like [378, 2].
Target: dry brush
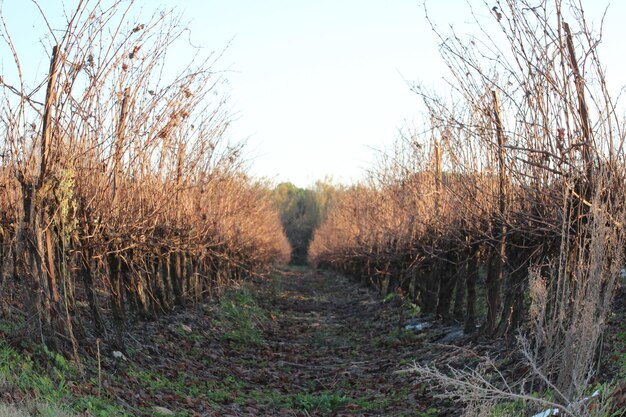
[517, 183]
[118, 187]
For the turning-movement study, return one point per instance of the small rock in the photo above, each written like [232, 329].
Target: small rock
[162, 411]
[186, 328]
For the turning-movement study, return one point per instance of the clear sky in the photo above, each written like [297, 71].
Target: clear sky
[317, 86]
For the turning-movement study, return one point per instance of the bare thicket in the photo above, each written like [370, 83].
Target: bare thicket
[517, 181]
[116, 184]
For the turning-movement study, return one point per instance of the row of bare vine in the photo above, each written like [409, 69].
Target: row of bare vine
[513, 191]
[118, 193]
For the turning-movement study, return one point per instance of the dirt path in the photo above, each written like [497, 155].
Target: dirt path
[333, 340]
[301, 344]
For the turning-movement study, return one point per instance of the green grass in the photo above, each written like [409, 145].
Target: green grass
[32, 409]
[182, 385]
[48, 385]
[429, 412]
[510, 408]
[298, 268]
[229, 389]
[619, 354]
[12, 326]
[241, 318]
[51, 379]
[19, 371]
[324, 402]
[99, 407]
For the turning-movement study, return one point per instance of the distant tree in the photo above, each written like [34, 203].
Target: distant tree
[326, 193]
[300, 215]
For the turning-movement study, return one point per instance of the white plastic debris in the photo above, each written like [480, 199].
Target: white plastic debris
[119, 355]
[547, 413]
[555, 411]
[418, 326]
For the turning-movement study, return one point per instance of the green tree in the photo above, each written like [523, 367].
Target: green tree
[302, 210]
[300, 215]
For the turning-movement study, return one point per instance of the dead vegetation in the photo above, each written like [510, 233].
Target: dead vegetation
[119, 196]
[517, 183]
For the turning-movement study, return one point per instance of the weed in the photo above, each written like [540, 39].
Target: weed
[242, 318]
[51, 391]
[18, 371]
[390, 297]
[13, 324]
[219, 396]
[618, 355]
[509, 408]
[325, 403]
[413, 310]
[99, 407]
[57, 360]
[430, 412]
[28, 410]
[276, 285]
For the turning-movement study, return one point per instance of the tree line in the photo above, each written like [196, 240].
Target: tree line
[302, 210]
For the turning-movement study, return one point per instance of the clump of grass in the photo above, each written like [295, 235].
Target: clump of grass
[48, 388]
[99, 407]
[241, 317]
[323, 403]
[19, 372]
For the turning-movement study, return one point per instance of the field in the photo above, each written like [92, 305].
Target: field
[478, 268]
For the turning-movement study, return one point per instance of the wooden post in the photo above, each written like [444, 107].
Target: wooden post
[46, 133]
[496, 266]
[119, 144]
[438, 176]
[46, 146]
[582, 108]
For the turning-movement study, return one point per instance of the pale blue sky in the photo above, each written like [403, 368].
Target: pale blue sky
[317, 85]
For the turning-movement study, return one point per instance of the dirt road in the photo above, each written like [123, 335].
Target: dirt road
[302, 343]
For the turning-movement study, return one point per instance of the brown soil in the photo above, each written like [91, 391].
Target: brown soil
[327, 347]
